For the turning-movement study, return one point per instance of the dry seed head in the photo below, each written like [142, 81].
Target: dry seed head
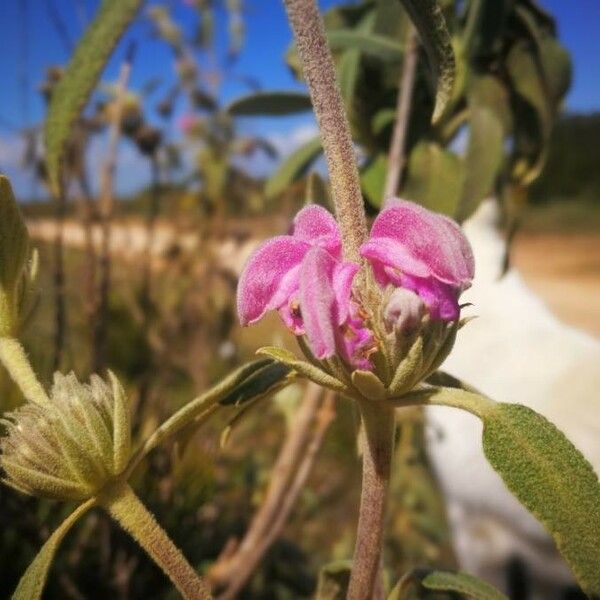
[71, 449]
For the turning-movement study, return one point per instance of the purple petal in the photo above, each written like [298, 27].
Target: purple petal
[315, 225]
[421, 237]
[343, 276]
[318, 301]
[441, 299]
[270, 277]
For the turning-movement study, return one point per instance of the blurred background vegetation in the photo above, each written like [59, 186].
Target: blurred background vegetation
[144, 281]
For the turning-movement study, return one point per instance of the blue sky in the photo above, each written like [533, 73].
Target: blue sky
[30, 43]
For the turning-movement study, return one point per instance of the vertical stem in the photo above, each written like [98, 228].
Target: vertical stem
[60, 316]
[397, 153]
[106, 211]
[123, 505]
[379, 426]
[319, 72]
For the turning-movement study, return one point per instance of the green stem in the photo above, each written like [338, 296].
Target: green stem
[124, 506]
[14, 359]
[319, 72]
[379, 427]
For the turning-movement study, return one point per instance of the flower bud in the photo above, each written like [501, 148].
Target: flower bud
[72, 448]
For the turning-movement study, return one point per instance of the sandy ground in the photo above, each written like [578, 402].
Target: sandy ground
[564, 268]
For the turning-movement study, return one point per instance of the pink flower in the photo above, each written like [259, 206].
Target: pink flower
[187, 123]
[302, 276]
[419, 250]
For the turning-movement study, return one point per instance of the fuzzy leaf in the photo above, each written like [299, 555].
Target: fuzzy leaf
[14, 239]
[121, 425]
[304, 368]
[292, 167]
[72, 91]
[333, 581]
[461, 583]
[32, 583]
[270, 103]
[553, 480]
[370, 44]
[435, 178]
[429, 21]
[543, 469]
[483, 159]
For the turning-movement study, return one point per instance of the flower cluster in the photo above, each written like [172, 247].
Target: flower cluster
[420, 263]
[70, 448]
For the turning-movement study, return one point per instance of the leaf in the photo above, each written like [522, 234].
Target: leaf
[32, 583]
[435, 178]
[543, 469]
[429, 21]
[292, 167]
[462, 583]
[14, 239]
[372, 180]
[334, 579]
[259, 383]
[370, 44]
[270, 103]
[256, 379]
[305, 369]
[483, 159]
[553, 480]
[82, 73]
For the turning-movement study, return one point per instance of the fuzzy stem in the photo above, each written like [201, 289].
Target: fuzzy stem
[319, 72]
[379, 426]
[124, 506]
[15, 361]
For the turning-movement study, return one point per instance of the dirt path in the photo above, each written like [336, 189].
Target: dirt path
[564, 268]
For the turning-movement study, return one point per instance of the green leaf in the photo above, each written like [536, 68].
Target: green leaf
[370, 44]
[14, 239]
[304, 368]
[270, 103]
[429, 21]
[249, 382]
[372, 180]
[32, 583]
[435, 178]
[543, 469]
[334, 579]
[72, 91]
[293, 167]
[14, 252]
[483, 159]
[553, 480]
[461, 583]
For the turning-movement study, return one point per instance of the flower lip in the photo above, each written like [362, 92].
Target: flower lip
[420, 243]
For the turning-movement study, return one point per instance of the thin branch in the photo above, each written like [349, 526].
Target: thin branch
[106, 207]
[60, 310]
[397, 152]
[237, 563]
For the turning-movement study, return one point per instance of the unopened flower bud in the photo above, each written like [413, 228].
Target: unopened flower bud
[72, 448]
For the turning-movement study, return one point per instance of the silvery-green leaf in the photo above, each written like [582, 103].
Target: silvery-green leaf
[72, 91]
[270, 103]
[32, 583]
[333, 581]
[429, 20]
[461, 583]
